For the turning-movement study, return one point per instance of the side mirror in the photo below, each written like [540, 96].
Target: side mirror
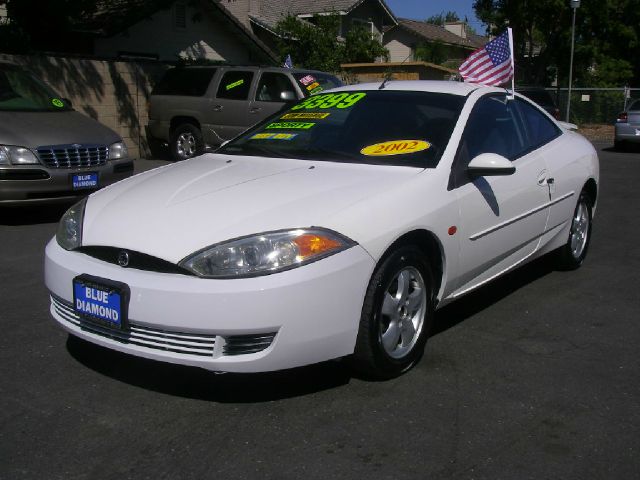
[288, 96]
[490, 164]
[67, 102]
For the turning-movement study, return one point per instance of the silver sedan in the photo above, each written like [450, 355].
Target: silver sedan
[627, 126]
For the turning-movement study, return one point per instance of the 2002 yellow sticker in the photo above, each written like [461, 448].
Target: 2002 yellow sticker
[395, 147]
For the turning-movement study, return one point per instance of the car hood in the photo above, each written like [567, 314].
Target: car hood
[35, 129]
[176, 210]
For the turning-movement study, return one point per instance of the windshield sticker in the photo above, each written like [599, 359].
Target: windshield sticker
[316, 90]
[330, 100]
[290, 126]
[313, 86]
[274, 136]
[234, 84]
[395, 147]
[304, 116]
[56, 102]
[308, 80]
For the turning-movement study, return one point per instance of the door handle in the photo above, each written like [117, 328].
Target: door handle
[255, 110]
[218, 108]
[551, 181]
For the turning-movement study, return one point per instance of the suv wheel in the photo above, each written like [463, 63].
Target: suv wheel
[186, 142]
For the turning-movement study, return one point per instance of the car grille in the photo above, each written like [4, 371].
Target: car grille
[71, 156]
[198, 344]
[165, 340]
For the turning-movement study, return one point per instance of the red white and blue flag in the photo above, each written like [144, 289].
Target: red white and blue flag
[491, 64]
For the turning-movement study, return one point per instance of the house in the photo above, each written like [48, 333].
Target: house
[262, 16]
[453, 39]
[171, 30]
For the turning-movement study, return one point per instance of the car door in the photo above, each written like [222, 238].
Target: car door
[229, 112]
[501, 216]
[274, 90]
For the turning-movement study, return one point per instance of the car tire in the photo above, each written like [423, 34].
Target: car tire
[573, 253]
[397, 315]
[186, 142]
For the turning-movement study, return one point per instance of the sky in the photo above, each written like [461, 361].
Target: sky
[422, 9]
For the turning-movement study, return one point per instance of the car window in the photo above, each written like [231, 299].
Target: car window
[373, 127]
[235, 85]
[191, 82]
[541, 130]
[272, 85]
[312, 83]
[20, 91]
[493, 127]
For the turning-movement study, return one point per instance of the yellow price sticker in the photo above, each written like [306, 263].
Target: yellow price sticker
[395, 147]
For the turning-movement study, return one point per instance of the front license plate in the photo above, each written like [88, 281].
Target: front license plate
[84, 180]
[102, 301]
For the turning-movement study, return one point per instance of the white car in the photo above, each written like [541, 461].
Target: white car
[333, 229]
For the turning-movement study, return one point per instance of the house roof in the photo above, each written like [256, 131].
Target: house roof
[432, 32]
[114, 16]
[273, 11]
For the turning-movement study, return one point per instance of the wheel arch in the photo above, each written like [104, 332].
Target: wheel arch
[592, 190]
[432, 248]
[182, 119]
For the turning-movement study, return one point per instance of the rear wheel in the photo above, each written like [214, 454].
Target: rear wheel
[573, 253]
[186, 142]
[397, 315]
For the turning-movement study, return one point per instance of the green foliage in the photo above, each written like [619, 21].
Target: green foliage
[607, 51]
[443, 17]
[434, 52]
[316, 45]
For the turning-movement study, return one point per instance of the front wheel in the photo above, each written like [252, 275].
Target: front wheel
[573, 253]
[396, 316]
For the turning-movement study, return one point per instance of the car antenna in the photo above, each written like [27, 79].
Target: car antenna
[389, 75]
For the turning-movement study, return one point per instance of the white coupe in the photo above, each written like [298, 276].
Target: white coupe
[333, 229]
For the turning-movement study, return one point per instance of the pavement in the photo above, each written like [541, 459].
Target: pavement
[534, 376]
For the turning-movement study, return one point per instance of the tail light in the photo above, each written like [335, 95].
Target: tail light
[622, 117]
[556, 113]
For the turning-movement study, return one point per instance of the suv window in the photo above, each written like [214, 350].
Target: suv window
[192, 82]
[235, 85]
[541, 129]
[271, 86]
[493, 128]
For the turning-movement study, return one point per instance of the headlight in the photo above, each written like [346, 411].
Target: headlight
[118, 151]
[69, 234]
[265, 253]
[10, 155]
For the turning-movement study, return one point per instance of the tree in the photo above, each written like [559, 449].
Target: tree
[434, 52]
[442, 17]
[607, 39]
[316, 45]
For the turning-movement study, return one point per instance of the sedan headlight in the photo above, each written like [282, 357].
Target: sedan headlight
[118, 151]
[265, 253]
[11, 155]
[69, 234]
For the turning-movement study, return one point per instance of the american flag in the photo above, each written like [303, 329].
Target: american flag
[491, 64]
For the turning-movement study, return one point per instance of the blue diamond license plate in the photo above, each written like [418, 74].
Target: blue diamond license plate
[102, 301]
[81, 181]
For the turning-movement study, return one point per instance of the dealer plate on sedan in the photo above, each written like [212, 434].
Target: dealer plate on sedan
[102, 301]
[84, 180]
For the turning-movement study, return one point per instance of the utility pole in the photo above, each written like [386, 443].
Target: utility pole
[574, 6]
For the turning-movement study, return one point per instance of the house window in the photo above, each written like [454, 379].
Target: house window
[180, 15]
[366, 24]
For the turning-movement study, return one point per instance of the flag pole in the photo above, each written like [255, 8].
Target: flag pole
[513, 65]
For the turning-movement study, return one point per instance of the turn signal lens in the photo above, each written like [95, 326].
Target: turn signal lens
[309, 244]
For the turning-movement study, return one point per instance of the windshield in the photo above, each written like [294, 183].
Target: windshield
[313, 83]
[19, 91]
[374, 127]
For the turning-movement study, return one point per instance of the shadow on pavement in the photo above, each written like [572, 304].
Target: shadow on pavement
[32, 215]
[196, 383]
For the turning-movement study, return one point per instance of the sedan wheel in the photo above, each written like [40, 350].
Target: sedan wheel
[396, 315]
[573, 253]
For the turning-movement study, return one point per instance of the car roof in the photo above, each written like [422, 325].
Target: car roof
[435, 86]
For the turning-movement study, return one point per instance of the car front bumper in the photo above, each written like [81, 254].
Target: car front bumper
[301, 316]
[38, 184]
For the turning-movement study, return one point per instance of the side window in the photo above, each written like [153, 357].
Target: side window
[235, 85]
[541, 129]
[271, 87]
[191, 82]
[493, 128]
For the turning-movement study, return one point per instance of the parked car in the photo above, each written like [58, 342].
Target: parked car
[542, 97]
[48, 151]
[627, 126]
[332, 229]
[194, 108]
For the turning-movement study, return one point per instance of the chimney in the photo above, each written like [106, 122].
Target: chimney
[457, 28]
